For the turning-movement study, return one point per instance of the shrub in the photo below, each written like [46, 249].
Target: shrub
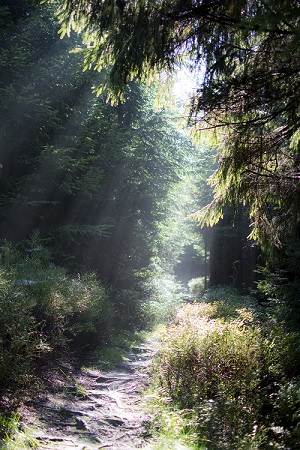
[196, 286]
[163, 295]
[206, 358]
[89, 312]
[18, 333]
[43, 310]
[223, 363]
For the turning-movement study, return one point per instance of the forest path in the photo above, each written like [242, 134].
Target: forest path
[104, 412]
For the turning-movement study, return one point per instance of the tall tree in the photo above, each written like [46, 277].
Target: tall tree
[250, 93]
[89, 175]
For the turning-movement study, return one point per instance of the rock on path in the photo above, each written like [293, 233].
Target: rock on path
[107, 415]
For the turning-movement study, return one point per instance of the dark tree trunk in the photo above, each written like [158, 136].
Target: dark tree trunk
[233, 257]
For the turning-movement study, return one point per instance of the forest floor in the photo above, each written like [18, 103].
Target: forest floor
[93, 409]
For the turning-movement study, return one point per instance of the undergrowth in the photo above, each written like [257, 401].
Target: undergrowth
[223, 377]
[43, 310]
[44, 313]
[46, 316]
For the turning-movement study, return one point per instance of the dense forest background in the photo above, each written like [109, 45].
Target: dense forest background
[79, 172]
[95, 198]
[117, 203]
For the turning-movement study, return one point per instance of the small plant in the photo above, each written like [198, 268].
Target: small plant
[163, 296]
[8, 424]
[72, 386]
[170, 428]
[12, 436]
[196, 286]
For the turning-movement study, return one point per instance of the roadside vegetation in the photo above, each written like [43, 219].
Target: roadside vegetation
[48, 316]
[226, 376]
[226, 370]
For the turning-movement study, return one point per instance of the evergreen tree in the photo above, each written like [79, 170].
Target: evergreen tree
[87, 174]
[249, 52]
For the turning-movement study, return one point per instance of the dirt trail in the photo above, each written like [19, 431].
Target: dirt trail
[107, 414]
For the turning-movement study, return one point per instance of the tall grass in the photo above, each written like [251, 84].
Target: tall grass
[222, 366]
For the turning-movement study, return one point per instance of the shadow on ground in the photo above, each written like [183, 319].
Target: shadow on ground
[100, 409]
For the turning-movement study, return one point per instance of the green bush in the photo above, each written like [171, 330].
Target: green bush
[287, 411]
[42, 310]
[89, 315]
[18, 333]
[228, 365]
[163, 295]
[213, 366]
[196, 286]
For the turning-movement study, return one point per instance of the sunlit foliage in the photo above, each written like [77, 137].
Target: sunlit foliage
[44, 311]
[249, 53]
[222, 370]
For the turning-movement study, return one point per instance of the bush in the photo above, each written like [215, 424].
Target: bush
[163, 295]
[43, 310]
[86, 311]
[227, 366]
[196, 286]
[213, 366]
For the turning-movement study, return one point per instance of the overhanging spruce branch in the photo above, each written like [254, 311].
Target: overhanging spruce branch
[226, 21]
[274, 176]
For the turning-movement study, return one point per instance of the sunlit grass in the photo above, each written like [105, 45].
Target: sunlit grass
[15, 438]
[169, 442]
[169, 428]
[21, 441]
[207, 374]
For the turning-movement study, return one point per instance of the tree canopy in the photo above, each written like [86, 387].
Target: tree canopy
[249, 52]
[85, 173]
